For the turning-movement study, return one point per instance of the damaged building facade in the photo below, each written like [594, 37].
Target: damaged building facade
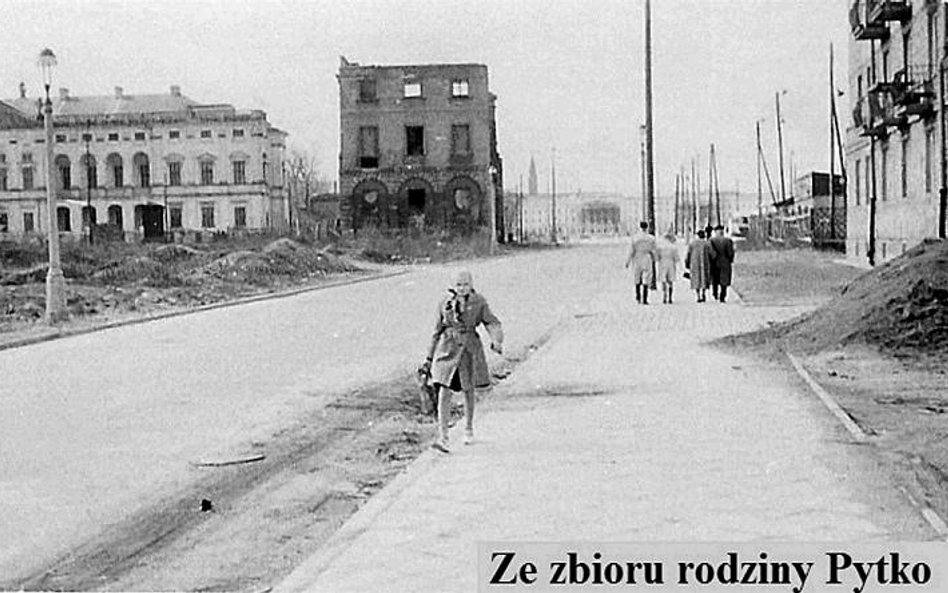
[419, 147]
[148, 166]
[895, 147]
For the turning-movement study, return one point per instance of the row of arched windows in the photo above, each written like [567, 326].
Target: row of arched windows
[116, 174]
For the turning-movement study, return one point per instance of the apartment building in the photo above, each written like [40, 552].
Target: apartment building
[895, 142]
[146, 165]
[419, 147]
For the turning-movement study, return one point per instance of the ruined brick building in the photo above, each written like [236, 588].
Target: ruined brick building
[419, 146]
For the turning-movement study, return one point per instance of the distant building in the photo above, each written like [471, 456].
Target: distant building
[144, 164]
[894, 149]
[419, 146]
[579, 215]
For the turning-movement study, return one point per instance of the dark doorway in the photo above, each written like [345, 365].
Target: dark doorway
[416, 200]
[153, 222]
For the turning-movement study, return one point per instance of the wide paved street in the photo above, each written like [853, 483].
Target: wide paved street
[623, 427]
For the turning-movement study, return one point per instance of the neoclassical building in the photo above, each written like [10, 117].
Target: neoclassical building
[419, 145]
[146, 165]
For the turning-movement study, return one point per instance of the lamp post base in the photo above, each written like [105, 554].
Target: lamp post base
[56, 311]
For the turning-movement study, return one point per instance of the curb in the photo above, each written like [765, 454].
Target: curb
[933, 519]
[69, 332]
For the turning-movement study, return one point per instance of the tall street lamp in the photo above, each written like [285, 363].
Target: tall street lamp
[55, 283]
[492, 198]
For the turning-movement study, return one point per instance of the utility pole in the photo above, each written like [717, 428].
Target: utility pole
[871, 248]
[677, 186]
[694, 197]
[650, 167]
[832, 179]
[89, 180]
[783, 185]
[760, 188]
[943, 191]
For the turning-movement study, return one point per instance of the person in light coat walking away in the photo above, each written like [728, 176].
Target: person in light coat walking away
[668, 258]
[642, 259]
[456, 360]
[698, 263]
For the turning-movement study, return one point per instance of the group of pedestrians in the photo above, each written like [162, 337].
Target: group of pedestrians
[708, 263]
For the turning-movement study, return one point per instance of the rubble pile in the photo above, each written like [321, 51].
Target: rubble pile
[901, 305]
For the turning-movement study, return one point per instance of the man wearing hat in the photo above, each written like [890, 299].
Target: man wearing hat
[723, 257]
[456, 359]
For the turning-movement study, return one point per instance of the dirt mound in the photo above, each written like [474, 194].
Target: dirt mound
[901, 305]
[281, 258]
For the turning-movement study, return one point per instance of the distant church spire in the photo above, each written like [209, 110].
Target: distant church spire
[532, 180]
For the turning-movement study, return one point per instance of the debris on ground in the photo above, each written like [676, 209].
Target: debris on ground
[900, 307]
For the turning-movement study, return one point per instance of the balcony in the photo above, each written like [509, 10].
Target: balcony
[880, 12]
[913, 93]
[879, 114]
[862, 29]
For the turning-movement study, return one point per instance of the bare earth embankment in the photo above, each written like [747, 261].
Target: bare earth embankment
[877, 342]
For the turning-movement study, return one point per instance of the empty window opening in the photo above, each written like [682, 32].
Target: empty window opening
[414, 140]
[416, 200]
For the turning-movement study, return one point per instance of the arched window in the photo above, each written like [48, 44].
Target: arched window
[64, 169]
[63, 219]
[115, 215]
[89, 164]
[114, 164]
[207, 168]
[142, 169]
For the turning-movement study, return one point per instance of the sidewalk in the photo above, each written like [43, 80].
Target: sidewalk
[623, 428]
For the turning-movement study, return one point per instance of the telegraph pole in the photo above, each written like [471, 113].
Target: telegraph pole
[783, 186]
[832, 179]
[650, 165]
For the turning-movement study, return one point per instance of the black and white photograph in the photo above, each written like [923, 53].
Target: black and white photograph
[457, 296]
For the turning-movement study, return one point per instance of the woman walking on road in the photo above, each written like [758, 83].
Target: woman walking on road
[698, 263]
[456, 356]
[667, 265]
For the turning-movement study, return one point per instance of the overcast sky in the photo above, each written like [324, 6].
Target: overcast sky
[567, 73]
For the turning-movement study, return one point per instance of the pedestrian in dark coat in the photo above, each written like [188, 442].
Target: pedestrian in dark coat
[698, 263]
[723, 248]
[456, 356]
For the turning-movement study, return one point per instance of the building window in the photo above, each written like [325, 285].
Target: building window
[207, 173]
[931, 43]
[367, 93]
[28, 223]
[904, 166]
[88, 217]
[869, 188]
[113, 136]
[115, 215]
[459, 88]
[238, 132]
[856, 185]
[174, 216]
[240, 217]
[63, 219]
[205, 133]
[3, 180]
[118, 175]
[414, 140]
[60, 138]
[27, 157]
[174, 173]
[240, 172]
[65, 172]
[4, 222]
[929, 148]
[412, 90]
[369, 147]
[144, 175]
[139, 135]
[92, 173]
[27, 177]
[460, 140]
[884, 178]
[207, 215]
[174, 134]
